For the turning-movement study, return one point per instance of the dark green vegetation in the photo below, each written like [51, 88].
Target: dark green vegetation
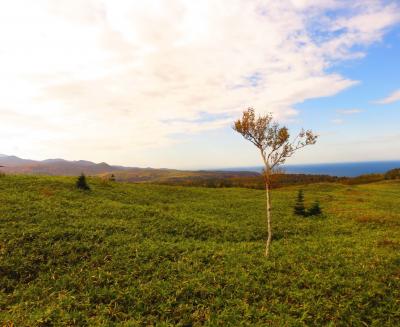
[81, 183]
[299, 208]
[315, 210]
[139, 254]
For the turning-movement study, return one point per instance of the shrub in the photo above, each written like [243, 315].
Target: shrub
[299, 208]
[393, 174]
[81, 183]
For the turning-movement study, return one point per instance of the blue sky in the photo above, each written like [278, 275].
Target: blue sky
[351, 125]
[159, 83]
[378, 74]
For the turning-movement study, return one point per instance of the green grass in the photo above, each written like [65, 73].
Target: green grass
[136, 254]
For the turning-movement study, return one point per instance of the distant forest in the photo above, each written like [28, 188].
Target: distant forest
[278, 180]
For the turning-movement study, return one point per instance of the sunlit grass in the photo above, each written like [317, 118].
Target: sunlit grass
[126, 254]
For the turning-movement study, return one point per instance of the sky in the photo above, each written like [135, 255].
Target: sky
[158, 83]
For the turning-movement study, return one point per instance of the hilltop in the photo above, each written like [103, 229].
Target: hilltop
[61, 167]
[141, 254]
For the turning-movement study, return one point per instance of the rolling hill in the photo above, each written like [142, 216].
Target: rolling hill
[144, 255]
[61, 167]
[203, 178]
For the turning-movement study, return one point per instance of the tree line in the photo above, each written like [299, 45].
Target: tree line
[277, 180]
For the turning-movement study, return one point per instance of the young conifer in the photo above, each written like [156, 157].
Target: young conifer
[299, 208]
[315, 210]
[81, 183]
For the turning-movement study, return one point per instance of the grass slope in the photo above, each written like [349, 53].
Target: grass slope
[131, 255]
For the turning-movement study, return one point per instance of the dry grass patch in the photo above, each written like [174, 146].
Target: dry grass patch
[47, 192]
[370, 219]
[389, 243]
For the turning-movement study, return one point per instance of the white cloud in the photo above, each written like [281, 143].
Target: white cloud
[393, 97]
[105, 78]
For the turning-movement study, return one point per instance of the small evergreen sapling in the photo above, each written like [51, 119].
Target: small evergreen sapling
[81, 183]
[299, 208]
[315, 210]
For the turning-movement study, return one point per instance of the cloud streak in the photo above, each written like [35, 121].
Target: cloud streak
[130, 75]
[393, 97]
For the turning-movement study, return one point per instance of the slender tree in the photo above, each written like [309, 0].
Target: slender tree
[275, 146]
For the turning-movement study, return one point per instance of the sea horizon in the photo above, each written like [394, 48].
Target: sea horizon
[339, 169]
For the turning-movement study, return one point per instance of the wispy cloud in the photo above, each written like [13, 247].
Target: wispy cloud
[391, 98]
[345, 112]
[337, 121]
[108, 72]
[349, 111]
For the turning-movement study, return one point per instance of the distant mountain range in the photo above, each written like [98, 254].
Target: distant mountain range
[13, 164]
[61, 167]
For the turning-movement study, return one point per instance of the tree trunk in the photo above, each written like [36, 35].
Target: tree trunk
[267, 175]
[269, 230]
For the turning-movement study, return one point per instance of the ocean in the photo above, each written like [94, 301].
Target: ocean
[343, 169]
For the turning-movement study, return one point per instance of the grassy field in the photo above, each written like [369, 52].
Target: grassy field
[134, 255]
